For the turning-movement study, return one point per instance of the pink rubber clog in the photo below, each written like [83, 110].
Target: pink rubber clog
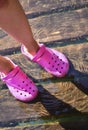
[20, 86]
[51, 60]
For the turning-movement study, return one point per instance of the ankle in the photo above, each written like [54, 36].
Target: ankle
[8, 69]
[33, 49]
[6, 66]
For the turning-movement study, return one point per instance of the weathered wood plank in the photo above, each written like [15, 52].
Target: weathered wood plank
[55, 27]
[81, 123]
[60, 25]
[79, 59]
[51, 6]
[21, 114]
[38, 5]
[55, 126]
[40, 127]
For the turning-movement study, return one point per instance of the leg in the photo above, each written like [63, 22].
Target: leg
[14, 21]
[19, 84]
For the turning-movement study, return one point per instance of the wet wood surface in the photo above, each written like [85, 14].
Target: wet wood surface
[61, 103]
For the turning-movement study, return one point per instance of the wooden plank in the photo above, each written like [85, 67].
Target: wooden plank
[47, 7]
[8, 42]
[40, 127]
[56, 27]
[40, 6]
[21, 114]
[60, 25]
[81, 123]
[79, 59]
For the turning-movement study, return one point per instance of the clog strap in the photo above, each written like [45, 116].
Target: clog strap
[43, 56]
[40, 53]
[18, 79]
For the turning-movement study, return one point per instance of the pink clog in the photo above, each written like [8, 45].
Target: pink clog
[51, 60]
[20, 86]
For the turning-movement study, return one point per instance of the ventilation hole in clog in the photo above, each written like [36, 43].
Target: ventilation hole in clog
[58, 64]
[17, 91]
[25, 95]
[31, 82]
[25, 90]
[20, 93]
[55, 61]
[61, 67]
[33, 90]
[60, 59]
[26, 84]
[22, 81]
[53, 66]
[29, 87]
[49, 62]
[29, 92]
[63, 63]
[52, 58]
[59, 71]
[56, 68]
[19, 85]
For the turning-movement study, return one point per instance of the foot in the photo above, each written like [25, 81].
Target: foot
[20, 86]
[5, 65]
[51, 60]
